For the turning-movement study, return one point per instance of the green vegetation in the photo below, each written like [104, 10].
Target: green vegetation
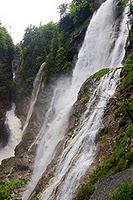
[120, 159]
[123, 192]
[34, 198]
[6, 45]
[80, 10]
[125, 102]
[53, 42]
[6, 57]
[85, 97]
[84, 94]
[50, 43]
[7, 188]
[35, 48]
[101, 73]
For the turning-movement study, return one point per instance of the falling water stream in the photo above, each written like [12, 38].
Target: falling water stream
[80, 153]
[103, 46]
[14, 125]
[13, 122]
[35, 92]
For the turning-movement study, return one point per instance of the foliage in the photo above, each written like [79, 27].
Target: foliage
[85, 97]
[34, 198]
[80, 10]
[84, 94]
[120, 159]
[49, 43]
[6, 57]
[123, 191]
[128, 73]
[6, 45]
[7, 188]
[125, 105]
[85, 191]
[35, 47]
[63, 9]
[101, 73]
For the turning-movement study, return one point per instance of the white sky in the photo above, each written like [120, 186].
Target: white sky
[16, 15]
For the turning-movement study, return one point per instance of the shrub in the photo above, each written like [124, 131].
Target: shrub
[120, 159]
[7, 188]
[123, 192]
[101, 73]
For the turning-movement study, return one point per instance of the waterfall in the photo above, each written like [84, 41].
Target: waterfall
[14, 125]
[80, 153]
[104, 46]
[35, 92]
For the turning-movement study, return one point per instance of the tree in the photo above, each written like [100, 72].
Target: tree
[63, 9]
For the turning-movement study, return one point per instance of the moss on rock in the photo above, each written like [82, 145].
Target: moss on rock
[101, 73]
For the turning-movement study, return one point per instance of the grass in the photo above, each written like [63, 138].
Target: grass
[8, 187]
[124, 191]
[34, 198]
[96, 77]
[120, 159]
[101, 73]
[125, 102]
[85, 97]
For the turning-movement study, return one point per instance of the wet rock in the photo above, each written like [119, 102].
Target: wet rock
[105, 187]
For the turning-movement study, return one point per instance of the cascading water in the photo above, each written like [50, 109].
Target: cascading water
[14, 125]
[103, 47]
[79, 154]
[13, 122]
[35, 92]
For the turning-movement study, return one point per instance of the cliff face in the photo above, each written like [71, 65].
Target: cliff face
[6, 83]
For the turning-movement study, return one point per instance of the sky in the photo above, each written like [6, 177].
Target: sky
[17, 15]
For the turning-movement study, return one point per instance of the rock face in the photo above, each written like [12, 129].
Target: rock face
[105, 187]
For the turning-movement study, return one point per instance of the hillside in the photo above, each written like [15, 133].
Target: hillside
[6, 83]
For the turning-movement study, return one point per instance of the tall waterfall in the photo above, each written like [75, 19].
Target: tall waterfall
[79, 154]
[104, 46]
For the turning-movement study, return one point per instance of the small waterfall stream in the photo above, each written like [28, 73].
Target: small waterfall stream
[14, 125]
[35, 92]
[104, 46]
[13, 122]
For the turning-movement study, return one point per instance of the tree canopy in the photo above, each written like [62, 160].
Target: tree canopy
[6, 57]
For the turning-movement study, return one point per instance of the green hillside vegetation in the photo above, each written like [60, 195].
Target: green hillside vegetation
[7, 188]
[123, 191]
[51, 42]
[6, 57]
